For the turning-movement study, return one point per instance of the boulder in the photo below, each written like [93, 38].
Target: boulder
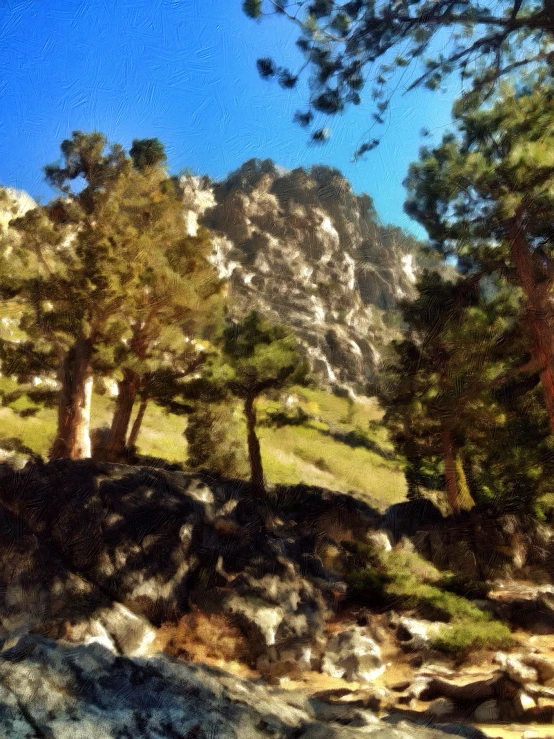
[441, 707]
[62, 691]
[486, 712]
[282, 616]
[152, 540]
[543, 667]
[516, 669]
[352, 655]
[380, 540]
[526, 606]
[414, 634]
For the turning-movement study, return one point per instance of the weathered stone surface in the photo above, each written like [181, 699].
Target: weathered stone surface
[415, 634]
[441, 707]
[62, 692]
[518, 671]
[544, 668]
[486, 712]
[302, 247]
[145, 538]
[352, 655]
[381, 540]
[481, 544]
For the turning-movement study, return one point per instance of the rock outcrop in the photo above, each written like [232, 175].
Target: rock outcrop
[302, 248]
[59, 691]
[94, 558]
[158, 542]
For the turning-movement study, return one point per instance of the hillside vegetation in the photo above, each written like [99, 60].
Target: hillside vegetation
[307, 452]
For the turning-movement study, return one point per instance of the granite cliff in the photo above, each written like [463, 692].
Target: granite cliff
[301, 247]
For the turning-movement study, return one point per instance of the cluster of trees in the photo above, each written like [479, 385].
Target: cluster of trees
[470, 390]
[108, 282]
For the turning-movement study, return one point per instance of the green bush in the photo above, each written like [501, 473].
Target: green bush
[367, 586]
[406, 581]
[461, 638]
[465, 586]
[433, 603]
[214, 440]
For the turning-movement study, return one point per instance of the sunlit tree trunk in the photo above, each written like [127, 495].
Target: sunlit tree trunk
[73, 431]
[464, 494]
[450, 471]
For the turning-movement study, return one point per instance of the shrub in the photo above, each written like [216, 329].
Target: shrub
[367, 586]
[460, 638]
[198, 636]
[404, 580]
[214, 440]
[433, 603]
[286, 417]
[464, 586]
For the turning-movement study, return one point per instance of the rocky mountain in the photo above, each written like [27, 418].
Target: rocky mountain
[301, 247]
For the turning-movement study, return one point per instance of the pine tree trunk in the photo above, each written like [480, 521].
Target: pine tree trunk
[450, 472]
[73, 432]
[539, 312]
[133, 436]
[254, 453]
[127, 393]
[464, 494]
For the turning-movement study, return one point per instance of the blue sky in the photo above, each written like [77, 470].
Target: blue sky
[184, 71]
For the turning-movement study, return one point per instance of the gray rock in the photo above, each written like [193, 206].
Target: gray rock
[61, 691]
[486, 712]
[352, 655]
[441, 707]
[291, 245]
[544, 668]
[415, 634]
[381, 540]
[517, 669]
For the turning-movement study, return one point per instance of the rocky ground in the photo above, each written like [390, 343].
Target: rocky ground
[142, 602]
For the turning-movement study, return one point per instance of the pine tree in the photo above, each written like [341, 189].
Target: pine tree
[436, 389]
[486, 198]
[259, 356]
[183, 300]
[345, 45]
[101, 254]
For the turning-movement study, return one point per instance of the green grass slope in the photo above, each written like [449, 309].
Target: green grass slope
[338, 445]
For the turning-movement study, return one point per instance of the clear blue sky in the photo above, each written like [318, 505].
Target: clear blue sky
[184, 71]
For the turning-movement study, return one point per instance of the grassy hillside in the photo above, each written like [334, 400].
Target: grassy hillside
[313, 452]
[338, 445]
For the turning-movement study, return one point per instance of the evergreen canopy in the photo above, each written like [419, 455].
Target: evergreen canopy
[342, 40]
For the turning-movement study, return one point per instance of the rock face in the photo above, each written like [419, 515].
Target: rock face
[60, 691]
[124, 547]
[94, 557]
[353, 655]
[13, 204]
[480, 544]
[301, 247]
[510, 693]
